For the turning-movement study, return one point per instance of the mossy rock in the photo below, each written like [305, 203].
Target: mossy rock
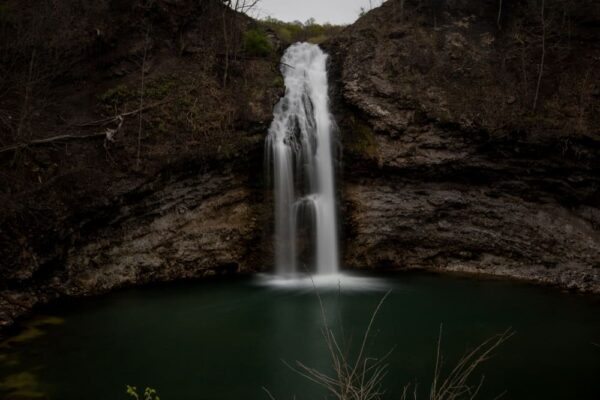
[361, 140]
[278, 82]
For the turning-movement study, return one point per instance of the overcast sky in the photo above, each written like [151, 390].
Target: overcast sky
[334, 11]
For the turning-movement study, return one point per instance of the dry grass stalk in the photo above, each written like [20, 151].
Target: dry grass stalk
[353, 379]
[455, 385]
[361, 378]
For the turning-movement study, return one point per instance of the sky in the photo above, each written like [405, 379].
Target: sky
[334, 11]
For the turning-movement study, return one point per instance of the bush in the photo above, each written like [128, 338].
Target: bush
[257, 43]
[309, 31]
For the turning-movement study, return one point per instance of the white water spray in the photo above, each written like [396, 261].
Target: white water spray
[299, 149]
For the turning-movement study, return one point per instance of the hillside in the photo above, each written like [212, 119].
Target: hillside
[103, 186]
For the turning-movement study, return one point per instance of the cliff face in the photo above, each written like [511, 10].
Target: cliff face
[454, 159]
[145, 185]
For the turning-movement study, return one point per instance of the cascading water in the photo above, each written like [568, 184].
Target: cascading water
[299, 148]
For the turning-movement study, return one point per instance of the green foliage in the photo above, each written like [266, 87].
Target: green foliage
[4, 11]
[22, 385]
[32, 330]
[157, 89]
[149, 393]
[116, 96]
[362, 139]
[278, 82]
[297, 31]
[161, 87]
[257, 43]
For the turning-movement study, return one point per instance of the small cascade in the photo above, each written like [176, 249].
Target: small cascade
[299, 157]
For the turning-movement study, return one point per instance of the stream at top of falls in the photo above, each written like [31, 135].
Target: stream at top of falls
[228, 339]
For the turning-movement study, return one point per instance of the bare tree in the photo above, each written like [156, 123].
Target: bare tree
[226, 42]
[243, 6]
[26, 97]
[499, 14]
[541, 71]
[142, 88]
[230, 33]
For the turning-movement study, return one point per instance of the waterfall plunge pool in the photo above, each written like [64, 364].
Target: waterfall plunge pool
[227, 339]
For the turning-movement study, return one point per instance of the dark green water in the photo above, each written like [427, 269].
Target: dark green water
[226, 340]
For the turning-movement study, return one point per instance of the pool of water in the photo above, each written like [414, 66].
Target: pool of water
[229, 339]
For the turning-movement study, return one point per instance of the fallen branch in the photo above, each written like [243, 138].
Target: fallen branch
[106, 121]
[108, 135]
[53, 139]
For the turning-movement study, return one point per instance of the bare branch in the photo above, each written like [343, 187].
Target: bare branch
[139, 138]
[539, 81]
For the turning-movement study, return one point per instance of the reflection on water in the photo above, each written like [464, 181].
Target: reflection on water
[227, 340]
[342, 281]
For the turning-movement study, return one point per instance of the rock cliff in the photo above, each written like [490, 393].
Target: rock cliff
[456, 158]
[132, 137]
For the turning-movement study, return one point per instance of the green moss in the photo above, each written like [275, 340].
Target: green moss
[257, 43]
[185, 112]
[278, 82]
[23, 385]
[27, 335]
[4, 11]
[285, 34]
[32, 330]
[162, 127]
[49, 320]
[157, 89]
[362, 139]
[9, 360]
[317, 39]
[161, 87]
[117, 95]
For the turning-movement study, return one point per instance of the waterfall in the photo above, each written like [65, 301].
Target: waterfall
[299, 157]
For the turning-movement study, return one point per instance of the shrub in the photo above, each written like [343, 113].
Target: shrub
[257, 43]
[116, 96]
[309, 31]
[149, 393]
